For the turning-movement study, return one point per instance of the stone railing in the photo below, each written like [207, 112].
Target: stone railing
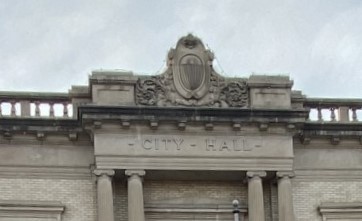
[59, 105]
[35, 105]
[334, 109]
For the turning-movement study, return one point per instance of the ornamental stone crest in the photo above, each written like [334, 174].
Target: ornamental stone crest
[191, 66]
[191, 81]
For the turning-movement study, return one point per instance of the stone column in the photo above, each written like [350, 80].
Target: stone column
[105, 195]
[255, 196]
[135, 195]
[285, 196]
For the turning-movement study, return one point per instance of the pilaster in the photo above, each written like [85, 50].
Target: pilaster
[135, 195]
[285, 196]
[255, 195]
[105, 194]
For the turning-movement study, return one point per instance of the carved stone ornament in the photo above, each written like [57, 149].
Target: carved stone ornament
[191, 81]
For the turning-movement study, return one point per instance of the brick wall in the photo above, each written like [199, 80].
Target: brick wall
[224, 192]
[268, 208]
[308, 195]
[191, 192]
[78, 196]
[120, 201]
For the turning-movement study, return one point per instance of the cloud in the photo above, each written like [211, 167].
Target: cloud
[50, 45]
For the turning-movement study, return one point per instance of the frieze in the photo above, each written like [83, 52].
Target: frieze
[193, 152]
[190, 80]
[188, 145]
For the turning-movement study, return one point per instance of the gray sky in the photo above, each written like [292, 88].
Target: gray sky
[51, 45]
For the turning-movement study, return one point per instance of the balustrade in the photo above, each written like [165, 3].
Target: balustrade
[41, 105]
[59, 105]
[334, 110]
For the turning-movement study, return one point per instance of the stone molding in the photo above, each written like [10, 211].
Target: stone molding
[187, 211]
[31, 209]
[20, 172]
[331, 175]
[157, 163]
[341, 211]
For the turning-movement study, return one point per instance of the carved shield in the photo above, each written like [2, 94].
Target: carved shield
[191, 76]
[192, 72]
[191, 68]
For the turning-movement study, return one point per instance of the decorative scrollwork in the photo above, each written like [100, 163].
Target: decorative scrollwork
[148, 91]
[235, 94]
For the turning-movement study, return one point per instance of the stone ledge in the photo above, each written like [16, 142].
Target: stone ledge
[341, 211]
[193, 208]
[79, 173]
[270, 81]
[21, 205]
[189, 163]
[315, 175]
[192, 212]
[23, 210]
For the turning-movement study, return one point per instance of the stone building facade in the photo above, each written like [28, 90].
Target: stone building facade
[182, 145]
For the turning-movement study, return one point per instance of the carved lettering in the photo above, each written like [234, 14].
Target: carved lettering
[178, 143]
[147, 144]
[160, 144]
[247, 146]
[210, 145]
[238, 144]
[224, 146]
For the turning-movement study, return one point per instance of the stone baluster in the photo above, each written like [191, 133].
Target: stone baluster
[105, 195]
[320, 116]
[135, 195]
[13, 108]
[255, 196]
[51, 110]
[37, 108]
[333, 114]
[65, 110]
[354, 115]
[285, 196]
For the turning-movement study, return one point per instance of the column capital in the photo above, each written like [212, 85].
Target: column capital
[139, 173]
[101, 172]
[251, 174]
[287, 174]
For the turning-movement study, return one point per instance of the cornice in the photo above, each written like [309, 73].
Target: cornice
[190, 113]
[26, 123]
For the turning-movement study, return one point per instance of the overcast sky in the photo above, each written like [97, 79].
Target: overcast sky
[51, 45]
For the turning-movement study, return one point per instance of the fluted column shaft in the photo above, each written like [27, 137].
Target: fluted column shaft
[135, 195]
[105, 195]
[255, 196]
[285, 196]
